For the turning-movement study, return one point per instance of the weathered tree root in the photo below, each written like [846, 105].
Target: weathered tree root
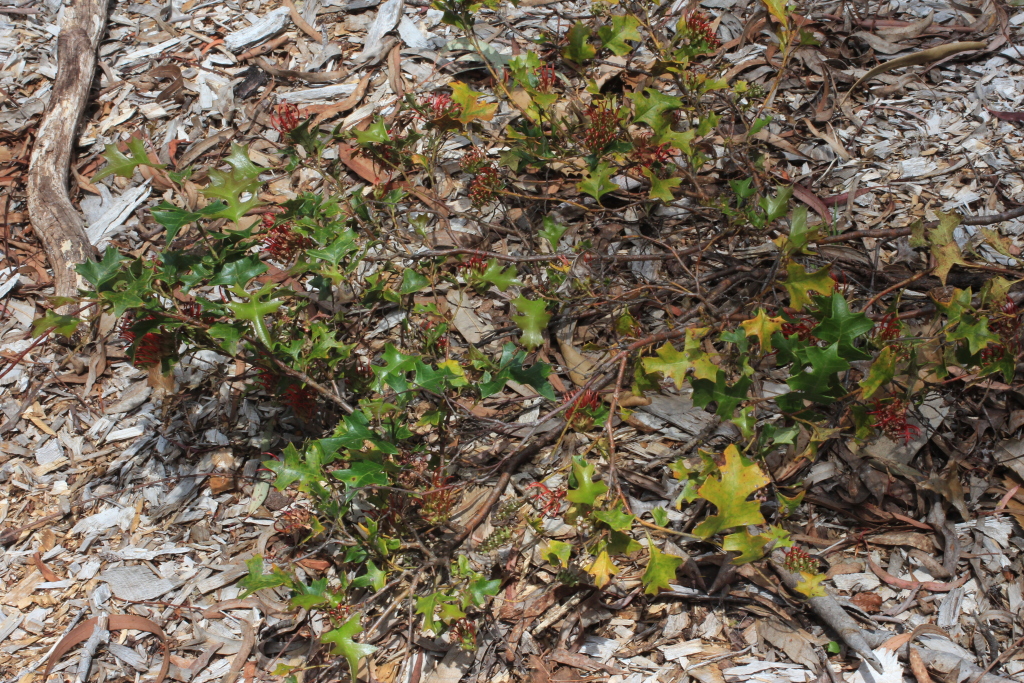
[832, 613]
[56, 222]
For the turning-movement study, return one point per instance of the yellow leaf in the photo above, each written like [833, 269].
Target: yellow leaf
[762, 327]
[811, 585]
[799, 283]
[602, 570]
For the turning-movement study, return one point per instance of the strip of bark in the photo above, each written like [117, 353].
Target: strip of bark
[59, 226]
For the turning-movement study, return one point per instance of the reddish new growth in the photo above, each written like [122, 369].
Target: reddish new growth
[286, 118]
[485, 186]
[604, 127]
[1005, 323]
[474, 264]
[148, 351]
[301, 400]
[797, 560]
[546, 78]
[647, 154]
[550, 501]
[891, 418]
[888, 328]
[582, 403]
[698, 30]
[282, 242]
[439, 106]
[801, 327]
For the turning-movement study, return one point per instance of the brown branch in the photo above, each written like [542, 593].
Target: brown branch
[59, 226]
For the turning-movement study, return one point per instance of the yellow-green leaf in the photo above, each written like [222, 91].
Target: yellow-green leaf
[762, 327]
[881, 373]
[739, 479]
[799, 283]
[603, 569]
[473, 108]
[558, 553]
[586, 490]
[674, 364]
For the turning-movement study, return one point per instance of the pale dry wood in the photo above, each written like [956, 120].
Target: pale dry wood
[59, 226]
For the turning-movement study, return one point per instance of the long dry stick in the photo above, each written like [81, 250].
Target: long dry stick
[59, 226]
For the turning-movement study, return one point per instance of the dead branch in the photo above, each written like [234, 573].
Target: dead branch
[59, 226]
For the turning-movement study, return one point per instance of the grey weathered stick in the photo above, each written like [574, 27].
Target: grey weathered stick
[923, 57]
[100, 635]
[832, 613]
[59, 226]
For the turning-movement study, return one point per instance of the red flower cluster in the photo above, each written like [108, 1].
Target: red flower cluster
[646, 153]
[891, 418]
[282, 242]
[1005, 323]
[797, 560]
[604, 127]
[150, 349]
[267, 379]
[551, 501]
[581, 403]
[888, 328]
[474, 160]
[439, 106]
[286, 118]
[485, 186]
[301, 400]
[698, 30]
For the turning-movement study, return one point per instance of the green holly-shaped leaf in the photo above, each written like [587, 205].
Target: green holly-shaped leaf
[362, 473]
[552, 232]
[671, 363]
[617, 520]
[597, 183]
[821, 382]
[579, 49]
[749, 546]
[344, 645]
[412, 282]
[799, 283]
[174, 218]
[883, 369]
[799, 236]
[375, 134]
[257, 580]
[230, 186]
[651, 105]
[557, 553]
[727, 397]
[661, 188]
[532, 321]
[777, 205]
[473, 107]
[739, 479]
[99, 273]
[661, 569]
[976, 334]
[64, 325]
[373, 578]
[393, 372]
[622, 28]
[843, 326]
[239, 273]
[124, 166]
[500, 277]
[586, 491]
[254, 310]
